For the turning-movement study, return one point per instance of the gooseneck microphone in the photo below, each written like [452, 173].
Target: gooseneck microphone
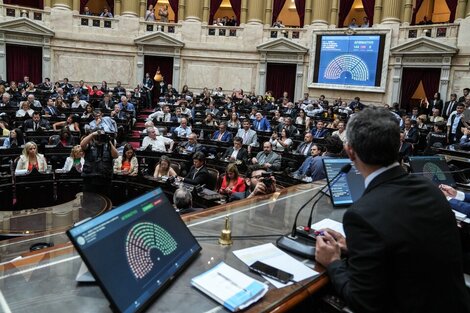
[298, 244]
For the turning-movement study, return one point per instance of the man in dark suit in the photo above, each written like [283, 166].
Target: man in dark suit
[36, 123]
[222, 134]
[405, 150]
[466, 91]
[436, 103]
[191, 146]
[261, 123]
[320, 131]
[411, 133]
[237, 152]
[391, 265]
[305, 147]
[291, 130]
[450, 106]
[198, 174]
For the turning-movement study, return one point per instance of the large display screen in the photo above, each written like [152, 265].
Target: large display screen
[135, 250]
[435, 168]
[354, 60]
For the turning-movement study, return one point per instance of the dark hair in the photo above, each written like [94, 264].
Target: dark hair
[460, 104]
[238, 139]
[20, 140]
[333, 144]
[287, 133]
[441, 126]
[374, 135]
[246, 120]
[127, 147]
[199, 156]
[253, 168]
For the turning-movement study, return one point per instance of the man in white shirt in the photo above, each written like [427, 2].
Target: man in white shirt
[77, 103]
[249, 136]
[158, 143]
[183, 130]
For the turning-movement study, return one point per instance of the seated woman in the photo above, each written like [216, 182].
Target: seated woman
[64, 138]
[75, 160]
[209, 120]
[163, 168]
[302, 119]
[25, 110]
[232, 182]
[30, 159]
[88, 113]
[283, 143]
[71, 123]
[16, 139]
[234, 122]
[60, 104]
[126, 164]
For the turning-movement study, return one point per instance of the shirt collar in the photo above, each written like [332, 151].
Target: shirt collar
[377, 173]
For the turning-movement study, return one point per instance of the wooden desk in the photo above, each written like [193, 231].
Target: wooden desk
[46, 282]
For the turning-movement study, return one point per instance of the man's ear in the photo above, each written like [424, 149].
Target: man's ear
[248, 181]
[350, 152]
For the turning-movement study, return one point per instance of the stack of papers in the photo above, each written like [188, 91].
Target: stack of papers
[329, 223]
[230, 287]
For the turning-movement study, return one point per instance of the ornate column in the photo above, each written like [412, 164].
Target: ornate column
[255, 12]
[321, 11]
[181, 10]
[268, 11]
[194, 10]
[47, 4]
[391, 11]
[461, 8]
[334, 13]
[244, 12]
[130, 8]
[117, 7]
[408, 11]
[142, 8]
[64, 4]
[76, 6]
[308, 12]
[206, 8]
[377, 12]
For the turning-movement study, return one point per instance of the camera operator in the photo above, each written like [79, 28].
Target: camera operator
[97, 171]
[258, 182]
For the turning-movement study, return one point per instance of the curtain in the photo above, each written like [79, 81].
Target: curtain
[174, 7]
[215, 5]
[151, 2]
[344, 8]
[83, 4]
[24, 61]
[37, 4]
[410, 81]
[369, 9]
[300, 7]
[452, 4]
[277, 8]
[280, 78]
[110, 5]
[415, 11]
[151, 63]
[430, 78]
[237, 8]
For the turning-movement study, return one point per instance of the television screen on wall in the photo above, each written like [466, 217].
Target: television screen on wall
[349, 60]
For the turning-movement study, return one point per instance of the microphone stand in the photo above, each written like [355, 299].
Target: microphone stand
[300, 245]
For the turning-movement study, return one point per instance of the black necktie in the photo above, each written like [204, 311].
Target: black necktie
[449, 109]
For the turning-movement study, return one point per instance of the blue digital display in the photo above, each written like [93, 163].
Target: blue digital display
[349, 60]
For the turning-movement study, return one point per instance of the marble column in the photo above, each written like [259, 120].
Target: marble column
[461, 8]
[408, 11]
[117, 7]
[391, 11]
[377, 12]
[181, 10]
[130, 8]
[206, 10]
[142, 8]
[334, 12]
[268, 12]
[65, 4]
[321, 12]
[47, 4]
[308, 12]
[194, 10]
[255, 12]
[244, 12]
[76, 6]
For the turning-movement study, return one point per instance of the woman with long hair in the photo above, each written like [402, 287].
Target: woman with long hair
[232, 182]
[126, 164]
[75, 160]
[15, 139]
[30, 159]
[25, 110]
[234, 122]
[282, 142]
[71, 123]
[302, 118]
[163, 168]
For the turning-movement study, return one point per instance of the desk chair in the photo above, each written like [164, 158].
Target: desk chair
[214, 174]
[34, 190]
[176, 167]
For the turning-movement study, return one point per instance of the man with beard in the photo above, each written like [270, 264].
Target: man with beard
[258, 182]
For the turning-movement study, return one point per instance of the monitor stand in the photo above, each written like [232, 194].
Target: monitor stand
[84, 275]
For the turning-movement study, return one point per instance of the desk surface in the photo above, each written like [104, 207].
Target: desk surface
[46, 280]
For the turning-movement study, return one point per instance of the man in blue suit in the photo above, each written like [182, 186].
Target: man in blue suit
[320, 131]
[459, 201]
[222, 134]
[261, 123]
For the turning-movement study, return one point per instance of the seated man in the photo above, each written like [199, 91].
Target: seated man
[258, 182]
[117, 113]
[437, 138]
[249, 136]
[107, 103]
[77, 103]
[125, 105]
[320, 131]
[261, 123]
[458, 200]
[158, 143]
[33, 103]
[464, 143]
[268, 159]
[50, 109]
[102, 122]
[198, 174]
[191, 146]
[315, 152]
[183, 201]
[237, 152]
[212, 109]
[119, 90]
[36, 123]
[305, 147]
[6, 102]
[333, 149]
[183, 130]
[287, 125]
[222, 134]
[411, 133]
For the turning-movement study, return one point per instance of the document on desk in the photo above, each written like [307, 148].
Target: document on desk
[271, 255]
[230, 287]
[329, 223]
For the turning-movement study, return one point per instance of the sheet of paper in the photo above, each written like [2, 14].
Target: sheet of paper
[271, 255]
[329, 223]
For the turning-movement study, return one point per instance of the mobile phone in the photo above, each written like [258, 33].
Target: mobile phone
[271, 272]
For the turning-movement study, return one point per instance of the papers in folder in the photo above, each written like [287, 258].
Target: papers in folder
[230, 287]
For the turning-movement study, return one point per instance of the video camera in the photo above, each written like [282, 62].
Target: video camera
[266, 179]
[103, 137]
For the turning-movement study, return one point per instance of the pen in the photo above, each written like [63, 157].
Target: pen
[232, 282]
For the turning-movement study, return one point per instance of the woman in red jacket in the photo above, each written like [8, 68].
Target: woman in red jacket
[232, 182]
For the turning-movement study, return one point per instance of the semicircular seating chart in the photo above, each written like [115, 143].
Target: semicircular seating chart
[141, 239]
[347, 63]
[433, 172]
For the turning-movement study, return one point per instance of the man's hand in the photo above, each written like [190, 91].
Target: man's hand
[254, 160]
[327, 249]
[340, 239]
[260, 189]
[448, 191]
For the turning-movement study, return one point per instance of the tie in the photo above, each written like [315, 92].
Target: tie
[245, 135]
[35, 127]
[304, 148]
[449, 109]
[259, 125]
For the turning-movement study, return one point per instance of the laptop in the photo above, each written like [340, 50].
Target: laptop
[346, 188]
[433, 167]
[135, 250]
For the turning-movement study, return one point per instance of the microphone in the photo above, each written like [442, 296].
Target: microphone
[298, 244]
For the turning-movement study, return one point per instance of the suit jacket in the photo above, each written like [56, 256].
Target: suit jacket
[412, 136]
[406, 149]
[304, 148]
[227, 136]
[28, 124]
[53, 111]
[392, 260]
[461, 206]
[250, 139]
[197, 177]
[436, 104]
[262, 124]
[196, 148]
[446, 108]
[242, 155]
[273, 158]
[319, 133]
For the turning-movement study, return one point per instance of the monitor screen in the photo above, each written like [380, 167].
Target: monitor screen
[354, 60]
[135, 250]
[346, 188]
[433, 167]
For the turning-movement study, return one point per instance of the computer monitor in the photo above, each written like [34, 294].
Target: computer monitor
[135, 250]
[346, 188]
[433, 167]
